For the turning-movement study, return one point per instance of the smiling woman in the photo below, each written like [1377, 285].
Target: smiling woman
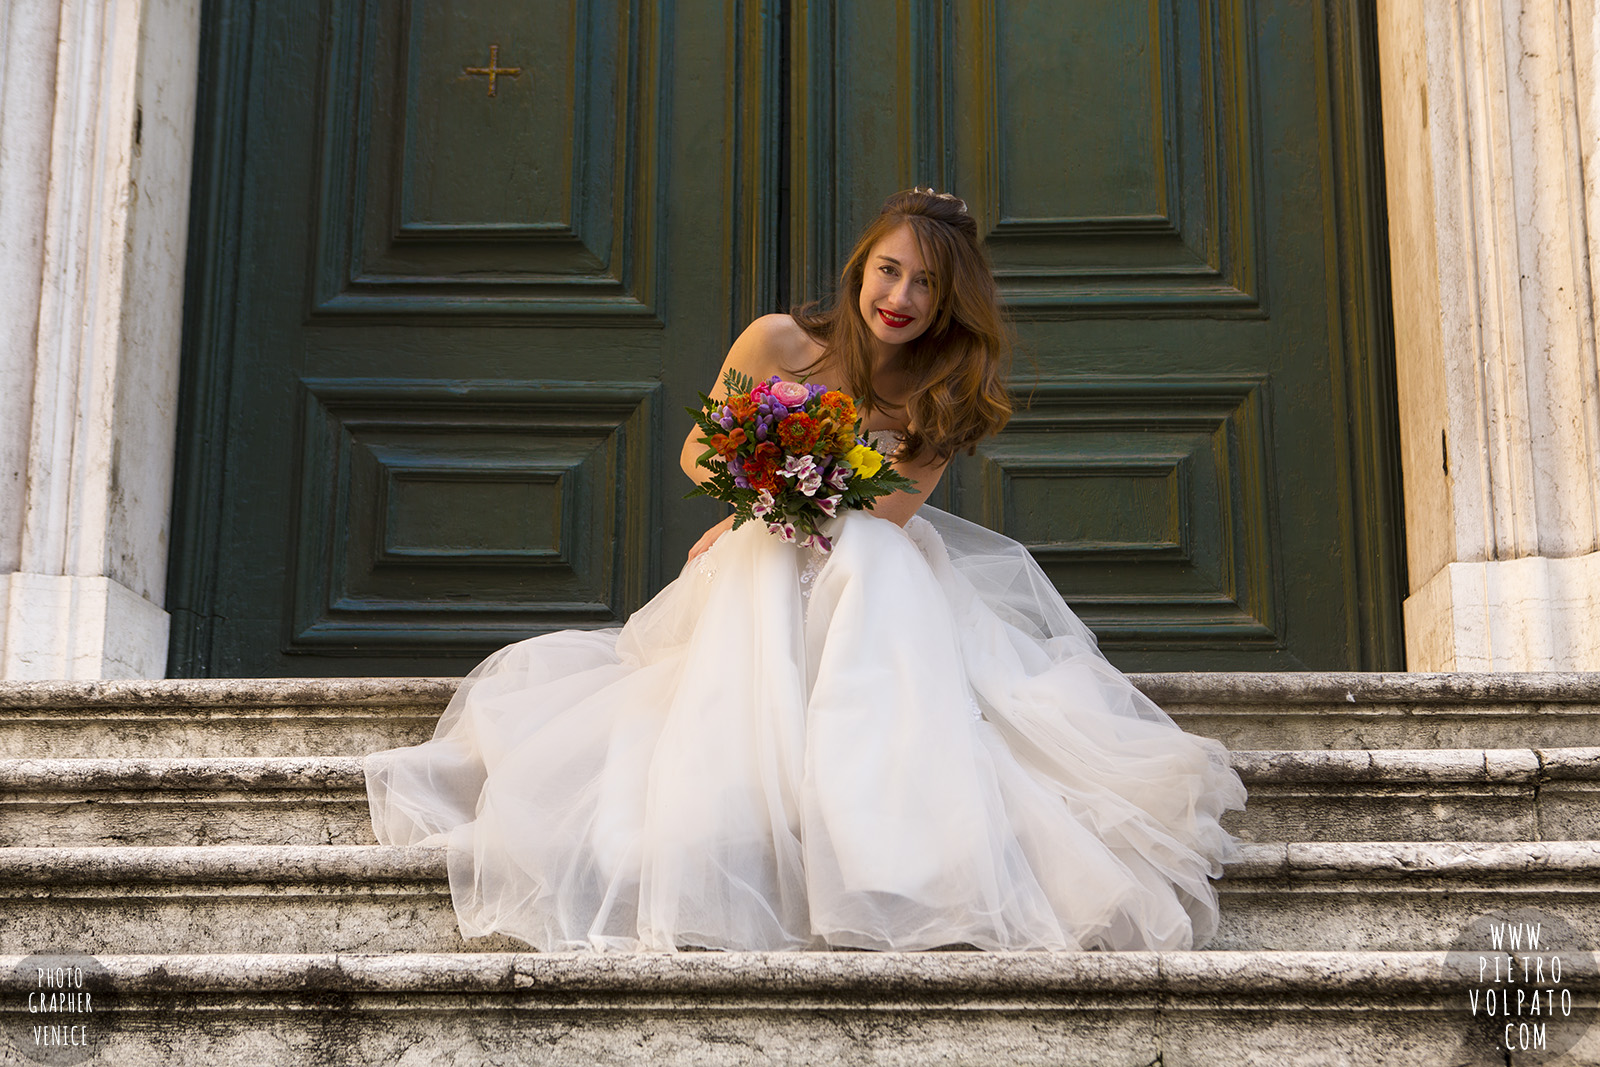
[903, 741]
[915, 332]
[917, 329]
[896, 290]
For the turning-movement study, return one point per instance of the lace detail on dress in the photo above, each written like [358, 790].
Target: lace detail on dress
[705, 566]
[809, 570]
[884, 441]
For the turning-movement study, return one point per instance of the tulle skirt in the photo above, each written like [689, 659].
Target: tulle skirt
[906, 743]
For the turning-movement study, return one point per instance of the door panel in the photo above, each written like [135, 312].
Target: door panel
[444, 515]
[1173, 199]
[443, 194]
[463, 316]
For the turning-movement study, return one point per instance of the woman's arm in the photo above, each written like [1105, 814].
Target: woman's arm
[761, 351]
[899, 507]
[765, 348]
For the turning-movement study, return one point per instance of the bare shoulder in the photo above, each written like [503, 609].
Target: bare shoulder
[775, 327]
[785, 345]
[772, 344]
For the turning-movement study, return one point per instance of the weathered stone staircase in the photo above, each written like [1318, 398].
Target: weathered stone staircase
[207, 842]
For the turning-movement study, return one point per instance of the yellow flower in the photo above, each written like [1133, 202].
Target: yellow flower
[866, 461]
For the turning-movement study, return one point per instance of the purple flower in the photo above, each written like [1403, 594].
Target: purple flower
[839, 476]
[726, 422]
[829, 505]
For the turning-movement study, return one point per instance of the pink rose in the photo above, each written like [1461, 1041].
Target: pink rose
[790, 394]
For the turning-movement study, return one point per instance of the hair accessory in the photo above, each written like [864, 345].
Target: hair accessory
[942, 196]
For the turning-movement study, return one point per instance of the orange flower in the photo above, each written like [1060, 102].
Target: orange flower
[799, 432]
[836, 406]
[761, 469]
[727, 444]
[835, 438]
[742, 406]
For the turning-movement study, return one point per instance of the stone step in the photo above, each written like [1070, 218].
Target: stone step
[1336, 710]
[349, 717]
[1304, 795]
[822, 1009]
[1441, 794]
[1301, 896]
[285, 800]
[219, 716]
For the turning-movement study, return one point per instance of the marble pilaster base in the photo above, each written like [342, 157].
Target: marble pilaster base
[1530, 614]
[79, 627]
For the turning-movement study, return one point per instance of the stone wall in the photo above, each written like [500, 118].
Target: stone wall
[96, 138]
[1492, 137]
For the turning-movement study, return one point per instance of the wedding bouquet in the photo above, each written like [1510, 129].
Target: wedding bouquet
[789, 454]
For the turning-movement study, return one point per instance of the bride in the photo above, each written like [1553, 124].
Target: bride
[905, 743]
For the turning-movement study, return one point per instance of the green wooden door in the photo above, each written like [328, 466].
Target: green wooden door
[458, 266]
[443, 325]
[1181, 198]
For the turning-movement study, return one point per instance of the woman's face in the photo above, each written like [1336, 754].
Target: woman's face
[896, 299]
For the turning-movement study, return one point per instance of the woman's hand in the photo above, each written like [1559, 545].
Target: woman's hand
[709, 538]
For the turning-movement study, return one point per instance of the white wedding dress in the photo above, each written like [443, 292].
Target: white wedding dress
[908, 743]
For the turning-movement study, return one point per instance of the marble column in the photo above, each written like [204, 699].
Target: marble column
[96, 140]
[1492, 141]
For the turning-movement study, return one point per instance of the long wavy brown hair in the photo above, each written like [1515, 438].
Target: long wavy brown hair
[959, 363]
